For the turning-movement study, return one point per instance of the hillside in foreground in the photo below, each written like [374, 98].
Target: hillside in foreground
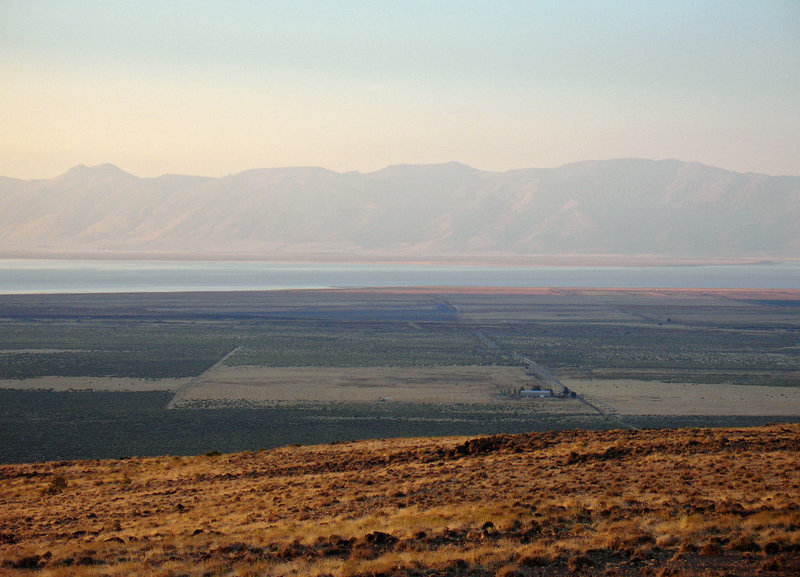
[645, 502]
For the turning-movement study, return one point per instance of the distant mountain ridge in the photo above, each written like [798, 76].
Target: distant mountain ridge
[623, 207]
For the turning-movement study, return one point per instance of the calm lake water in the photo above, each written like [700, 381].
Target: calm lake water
[81, 276]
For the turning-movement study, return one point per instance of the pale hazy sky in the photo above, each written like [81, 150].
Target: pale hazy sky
[213, 87]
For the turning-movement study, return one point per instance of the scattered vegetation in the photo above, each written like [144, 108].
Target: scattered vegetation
[702, 354]
[354, 346]
[688, 336]
[104, 425]
[647, 502]
[112, 347]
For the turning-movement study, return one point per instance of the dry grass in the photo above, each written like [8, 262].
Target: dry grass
[687, 502]
[258, 384]
[634, 397]
[59, 383]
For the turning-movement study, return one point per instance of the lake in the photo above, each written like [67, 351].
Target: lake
[95, 276]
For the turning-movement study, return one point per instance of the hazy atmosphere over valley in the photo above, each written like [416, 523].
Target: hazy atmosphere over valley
[215, 88]
[417, 289]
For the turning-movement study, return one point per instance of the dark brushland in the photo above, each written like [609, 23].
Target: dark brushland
[629, 207]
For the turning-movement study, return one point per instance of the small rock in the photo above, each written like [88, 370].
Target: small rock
[380, 538]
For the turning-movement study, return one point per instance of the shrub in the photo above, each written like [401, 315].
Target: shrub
[56, 485]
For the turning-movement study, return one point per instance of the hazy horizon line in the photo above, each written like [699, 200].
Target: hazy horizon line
[394, 165]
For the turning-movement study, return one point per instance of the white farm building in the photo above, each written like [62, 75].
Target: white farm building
[539, 393]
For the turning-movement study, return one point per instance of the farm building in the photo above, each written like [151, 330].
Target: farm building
[535, 393]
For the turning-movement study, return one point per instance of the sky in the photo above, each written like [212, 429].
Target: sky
[218, 87]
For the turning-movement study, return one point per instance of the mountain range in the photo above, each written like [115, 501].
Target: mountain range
[664, 208]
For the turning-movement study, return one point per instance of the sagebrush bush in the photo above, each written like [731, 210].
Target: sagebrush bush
[57, 484]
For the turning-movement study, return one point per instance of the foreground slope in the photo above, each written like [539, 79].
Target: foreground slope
[680, 502]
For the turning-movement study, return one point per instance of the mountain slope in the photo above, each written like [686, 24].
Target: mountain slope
[627, 207]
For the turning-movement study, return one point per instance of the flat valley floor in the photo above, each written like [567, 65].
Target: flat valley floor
[128, 374]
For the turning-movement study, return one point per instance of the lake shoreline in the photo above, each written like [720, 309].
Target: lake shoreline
[500, 259]
[49, 276]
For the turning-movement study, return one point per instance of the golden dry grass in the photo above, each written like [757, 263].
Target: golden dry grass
[686, 502]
